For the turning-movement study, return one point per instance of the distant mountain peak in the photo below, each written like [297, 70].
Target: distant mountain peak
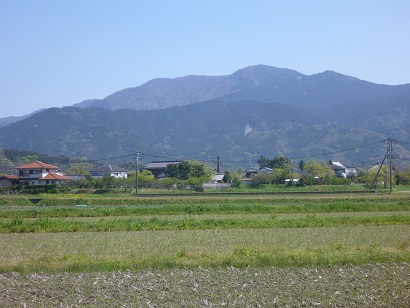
[329, 74]
[256, 110]
[257, 82]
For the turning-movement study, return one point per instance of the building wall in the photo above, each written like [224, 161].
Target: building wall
[6, 183]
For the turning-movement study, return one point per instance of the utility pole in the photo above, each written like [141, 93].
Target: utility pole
[389, 155]
[391, 141]
[136, 171]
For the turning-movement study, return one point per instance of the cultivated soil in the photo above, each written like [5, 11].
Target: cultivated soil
[371, 285]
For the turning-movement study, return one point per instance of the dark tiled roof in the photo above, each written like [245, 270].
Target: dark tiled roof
[160, 164]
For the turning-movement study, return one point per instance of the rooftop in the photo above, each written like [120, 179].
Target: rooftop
[160, 164]
[55, 176]
[108, 169]
[37, 165]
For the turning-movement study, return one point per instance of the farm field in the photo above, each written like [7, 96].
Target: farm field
[315, 250]
[370, 285]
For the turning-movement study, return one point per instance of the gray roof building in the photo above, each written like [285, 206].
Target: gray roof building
[109, 169]
[158, 167]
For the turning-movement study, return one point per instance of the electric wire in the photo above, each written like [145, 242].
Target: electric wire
[242, 161]
[339, 151]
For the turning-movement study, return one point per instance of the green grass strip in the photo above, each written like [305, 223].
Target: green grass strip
[19, 225]
[240, 257]
[225, 206]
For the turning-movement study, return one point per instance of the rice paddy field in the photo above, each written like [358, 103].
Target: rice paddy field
[258, 250]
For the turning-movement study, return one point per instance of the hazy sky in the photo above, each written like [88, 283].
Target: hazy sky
[58, 53]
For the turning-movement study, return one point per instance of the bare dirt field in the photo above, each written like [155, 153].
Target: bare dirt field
[375, 285]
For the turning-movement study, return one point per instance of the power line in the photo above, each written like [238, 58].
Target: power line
[157, 156]
[339, 151]
[241, 161]
[103, 159]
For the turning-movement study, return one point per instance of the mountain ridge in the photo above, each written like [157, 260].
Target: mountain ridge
[161, 93]
[318, 113]
[236, 131]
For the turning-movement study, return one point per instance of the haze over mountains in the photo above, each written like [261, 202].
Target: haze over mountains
[258, 110]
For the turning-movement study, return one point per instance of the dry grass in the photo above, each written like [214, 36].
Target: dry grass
[116, 250]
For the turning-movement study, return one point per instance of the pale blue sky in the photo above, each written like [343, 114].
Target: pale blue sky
[58, 53]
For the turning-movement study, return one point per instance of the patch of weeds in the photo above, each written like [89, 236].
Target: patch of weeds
[134, 225]
[180, 253]
[247, 252]
[403, 246]
[185, 224]
[188, 209]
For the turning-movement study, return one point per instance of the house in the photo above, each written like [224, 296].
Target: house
[8, 180]
[218, 178]
[265, 170]
[254, 171]
[338, 168]
[113, 171]
[158, 167]
[39, 173]
[250, 172]
[351, 171]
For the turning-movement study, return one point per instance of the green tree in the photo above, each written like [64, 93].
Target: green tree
[382, 178]
[279, 175]
[197, 170]
[179, 171]
[79, 168]
[301, 165]
[404, 176]
[227, 177]
[263, 162]
[280, 162]
[261, 178]
[319, 169]
[184, 170]
[276, 162]
[172, 170]
[108, 181]
[145, 178]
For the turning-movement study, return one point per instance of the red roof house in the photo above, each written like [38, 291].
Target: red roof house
[39, 173]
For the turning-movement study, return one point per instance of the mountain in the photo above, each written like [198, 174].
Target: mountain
[258, 110]
[329, 96]
[319, 94]
[8, 120]
[238, 132]
[164, 92]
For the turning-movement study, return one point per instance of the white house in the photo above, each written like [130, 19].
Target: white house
[338, 168]
[113, 171]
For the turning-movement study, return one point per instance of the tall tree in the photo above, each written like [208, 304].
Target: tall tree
[263, 162]
[280, 162]
[301, 165]
[319, 169]
[179, 171]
